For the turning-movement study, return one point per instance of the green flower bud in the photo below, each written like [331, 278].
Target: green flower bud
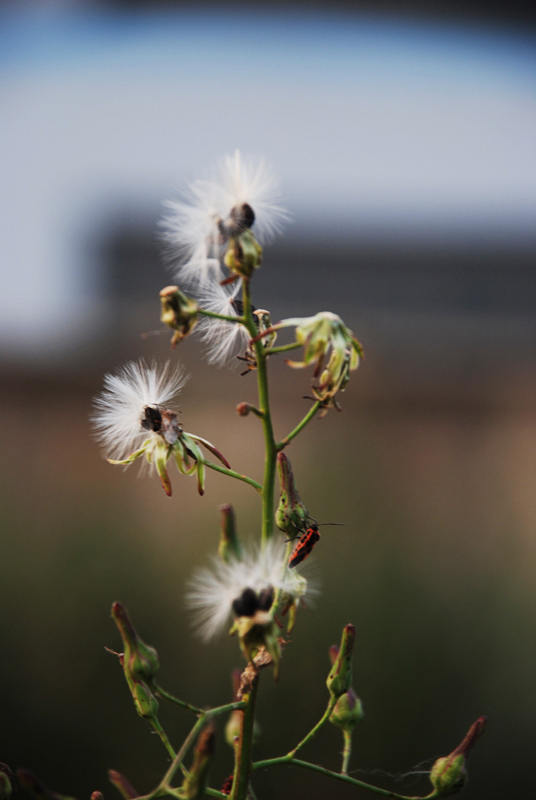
[194, 784]
[340, 677]
[122, 784]
[347, 712]
[291, 515]
[140, 661]
[178, 312]
[145, 702]
[6, 779]
[449, 774]
[229, 548]
[244, 254]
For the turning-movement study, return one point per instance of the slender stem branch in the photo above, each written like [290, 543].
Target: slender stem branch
[274, 762]
[243, 759]
[177, 761]
[155, 724]
[301, 425]
[347, 752]
[232, 474]
[314, 730]
[215, 793]
[283, 348]
[226, 317]
[264, 404]
[239, 705]
[172, 699]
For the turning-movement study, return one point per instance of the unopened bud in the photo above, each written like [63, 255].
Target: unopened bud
[229, 548]
[178, 312]
[6, 782]
[347, 712]
[97, 796]
[194, 784]
[243, 409]
[145, 702]
[140, 661]
[449, 774]
[122, 784]
[333, 653]
[340, 677]
[291, 515]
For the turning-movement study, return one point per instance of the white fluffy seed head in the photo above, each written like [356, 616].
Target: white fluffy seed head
[212, 591]
[191, 229]
[120, 407]
[224, 340]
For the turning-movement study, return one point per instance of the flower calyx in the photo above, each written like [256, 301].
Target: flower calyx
[256, 626]
[178, 312]
[448, 775]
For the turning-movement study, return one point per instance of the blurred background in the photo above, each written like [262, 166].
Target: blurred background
[404, 140]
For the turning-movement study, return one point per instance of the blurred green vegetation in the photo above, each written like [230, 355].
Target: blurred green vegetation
[435, 567]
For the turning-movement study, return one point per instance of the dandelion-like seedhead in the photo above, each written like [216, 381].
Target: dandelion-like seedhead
[224, 340]
[240, 193]
[214, 591]
[120, 408]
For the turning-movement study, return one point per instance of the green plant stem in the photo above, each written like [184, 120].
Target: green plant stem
[283, 348]
[177, 761]
[274, 762]
[232, 474]
[299, 427]
[243, 751]
[264, 406]
[172, 699]
[314, 730]
[155, 724]
[347, 752]
[205, 313]
[216, 793]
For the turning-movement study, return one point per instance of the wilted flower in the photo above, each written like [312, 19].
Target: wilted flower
[241, 193]
[132, 419]
[322, 335]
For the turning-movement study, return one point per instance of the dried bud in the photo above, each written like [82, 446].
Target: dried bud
[122, 784]
[340, 677]
[347, 712]
[448, 775]
[178, 312]
[6, 782]
[291, 515]
[193, 787]
[229, 548]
